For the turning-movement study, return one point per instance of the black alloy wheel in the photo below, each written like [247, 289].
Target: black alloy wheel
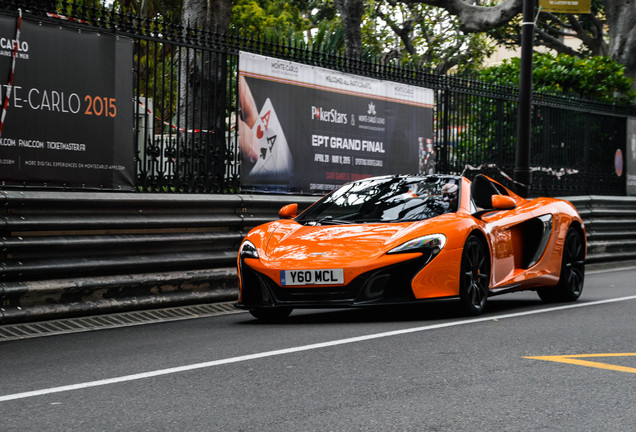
[474, 276]
[572, 277]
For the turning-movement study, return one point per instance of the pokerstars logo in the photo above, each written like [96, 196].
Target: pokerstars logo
[328, 116]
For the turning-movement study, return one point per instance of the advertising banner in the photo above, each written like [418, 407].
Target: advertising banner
[309, 129]
[69, 117]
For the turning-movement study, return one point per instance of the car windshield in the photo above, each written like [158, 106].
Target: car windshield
[386, 199]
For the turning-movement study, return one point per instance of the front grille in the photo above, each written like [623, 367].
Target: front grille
[386, 285]
[343, 293]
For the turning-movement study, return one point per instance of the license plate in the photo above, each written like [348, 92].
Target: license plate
[312, 277]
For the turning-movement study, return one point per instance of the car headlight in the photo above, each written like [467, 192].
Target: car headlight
[248, 250]
[431, 243]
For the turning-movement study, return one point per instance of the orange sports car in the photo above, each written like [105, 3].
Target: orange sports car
[396, 239]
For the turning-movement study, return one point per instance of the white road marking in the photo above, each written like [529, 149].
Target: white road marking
[301, 348]
[610, 269]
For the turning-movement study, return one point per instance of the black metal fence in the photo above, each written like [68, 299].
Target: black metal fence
[186, 111]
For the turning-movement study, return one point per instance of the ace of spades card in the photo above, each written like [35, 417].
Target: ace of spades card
[274, 162]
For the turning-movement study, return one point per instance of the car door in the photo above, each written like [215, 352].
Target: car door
[509, 234]
[518, 234]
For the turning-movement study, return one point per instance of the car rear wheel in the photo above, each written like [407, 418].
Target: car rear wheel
[271, 315]
[474, 276]
[572, 277]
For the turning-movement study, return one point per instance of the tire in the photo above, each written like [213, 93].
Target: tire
[474, 276]
[572, 277]
[271, 315]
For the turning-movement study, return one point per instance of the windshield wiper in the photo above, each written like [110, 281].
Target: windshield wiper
[328, 220]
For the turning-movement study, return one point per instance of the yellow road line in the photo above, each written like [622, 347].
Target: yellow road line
[575, 360]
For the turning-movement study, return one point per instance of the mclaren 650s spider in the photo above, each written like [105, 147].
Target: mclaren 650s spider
[405, 239]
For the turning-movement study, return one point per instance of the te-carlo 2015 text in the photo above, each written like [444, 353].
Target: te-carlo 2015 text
[100, 106]
[62, 102]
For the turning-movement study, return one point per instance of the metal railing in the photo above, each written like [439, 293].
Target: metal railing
[77, 253]
[186, 112]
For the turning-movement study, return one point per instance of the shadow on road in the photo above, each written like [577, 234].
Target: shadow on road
[422, 312]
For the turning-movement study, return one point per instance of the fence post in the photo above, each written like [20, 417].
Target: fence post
[524, 126]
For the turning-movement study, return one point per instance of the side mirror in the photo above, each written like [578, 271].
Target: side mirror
[289, 211]
[503, 202]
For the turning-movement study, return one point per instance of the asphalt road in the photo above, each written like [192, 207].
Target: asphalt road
[422, 368]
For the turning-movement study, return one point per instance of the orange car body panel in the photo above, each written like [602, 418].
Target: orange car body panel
[359, 248]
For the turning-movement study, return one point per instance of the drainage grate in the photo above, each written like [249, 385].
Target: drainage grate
[123, 319]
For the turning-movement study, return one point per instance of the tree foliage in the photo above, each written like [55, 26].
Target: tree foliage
[352, 14]
[424, 36]
[599, 78]
[611, 21]
[392, 31]
[553, 30]
[440, 35]
[165, 10]
[313, 24]
[270, 17]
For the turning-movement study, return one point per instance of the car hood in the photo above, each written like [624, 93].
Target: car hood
[291, 241]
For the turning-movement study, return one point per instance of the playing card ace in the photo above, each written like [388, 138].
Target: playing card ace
[274, 164]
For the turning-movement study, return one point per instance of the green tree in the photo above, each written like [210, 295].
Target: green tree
[615, 16]
[164, 10]
[553, 30]
[352, 13]
[599, 78]
[393, 32]
[269, 17]
[424, 36]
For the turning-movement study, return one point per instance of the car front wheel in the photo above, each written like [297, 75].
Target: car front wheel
[474, 276]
